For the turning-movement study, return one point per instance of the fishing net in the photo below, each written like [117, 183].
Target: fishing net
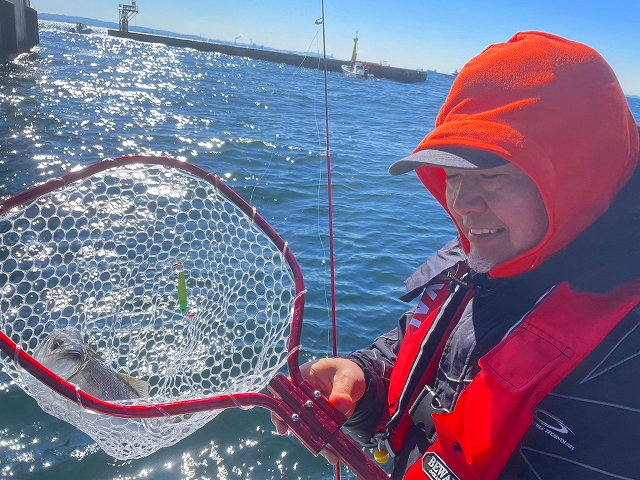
[165, 273]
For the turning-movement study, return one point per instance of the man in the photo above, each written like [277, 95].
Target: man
[521, 358]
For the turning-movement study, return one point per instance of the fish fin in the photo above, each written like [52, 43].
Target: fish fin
[140, 386]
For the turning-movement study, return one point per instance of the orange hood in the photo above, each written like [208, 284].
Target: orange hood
[553, 108]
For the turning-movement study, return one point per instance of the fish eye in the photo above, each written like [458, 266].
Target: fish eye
[55, 346]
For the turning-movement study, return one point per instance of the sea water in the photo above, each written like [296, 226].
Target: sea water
[260, 126]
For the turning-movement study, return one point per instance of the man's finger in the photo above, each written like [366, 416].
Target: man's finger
[348, 386]
[343, 403]
[331, 457]
[281, 427]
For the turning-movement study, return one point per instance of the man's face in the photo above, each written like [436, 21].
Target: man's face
[499, 210]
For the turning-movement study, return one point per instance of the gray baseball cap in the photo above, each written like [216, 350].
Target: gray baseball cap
[452, 157]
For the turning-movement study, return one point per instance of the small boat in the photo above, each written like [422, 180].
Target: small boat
[80, 27]
[356, 69]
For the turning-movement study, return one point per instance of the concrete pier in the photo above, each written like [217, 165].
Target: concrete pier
[18, 28]
[379, 71]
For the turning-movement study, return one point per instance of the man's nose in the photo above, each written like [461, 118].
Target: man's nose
[467, 197]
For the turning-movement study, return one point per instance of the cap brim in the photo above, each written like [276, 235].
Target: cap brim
[451, 157]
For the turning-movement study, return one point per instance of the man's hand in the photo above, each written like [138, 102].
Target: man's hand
[338, 379]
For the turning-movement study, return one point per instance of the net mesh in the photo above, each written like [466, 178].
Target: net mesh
[103, 256]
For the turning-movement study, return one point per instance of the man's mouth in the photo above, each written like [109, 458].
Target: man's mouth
[484, 236]
[483, 231]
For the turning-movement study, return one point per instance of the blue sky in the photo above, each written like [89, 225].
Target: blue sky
[422, 34]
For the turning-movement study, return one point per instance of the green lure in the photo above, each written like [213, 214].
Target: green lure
[182, 292]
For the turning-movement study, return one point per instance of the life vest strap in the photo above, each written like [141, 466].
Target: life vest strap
[425, 405]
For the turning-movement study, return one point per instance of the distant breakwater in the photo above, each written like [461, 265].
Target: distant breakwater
[403, 75]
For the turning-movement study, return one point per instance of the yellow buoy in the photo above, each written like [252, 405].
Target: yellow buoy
[381, 455]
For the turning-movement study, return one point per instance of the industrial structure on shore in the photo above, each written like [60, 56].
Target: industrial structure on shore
[127, 12]
[376, 70]
[18, 28]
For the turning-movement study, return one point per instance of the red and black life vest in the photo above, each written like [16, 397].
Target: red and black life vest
[493, 413]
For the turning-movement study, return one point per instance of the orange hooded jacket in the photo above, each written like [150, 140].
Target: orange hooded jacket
[554, 108]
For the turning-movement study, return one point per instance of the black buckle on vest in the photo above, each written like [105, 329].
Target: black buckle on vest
[458, 281]
[426, 404]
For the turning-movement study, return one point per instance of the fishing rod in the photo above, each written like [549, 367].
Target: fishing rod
[334, 326]
[334, 323]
